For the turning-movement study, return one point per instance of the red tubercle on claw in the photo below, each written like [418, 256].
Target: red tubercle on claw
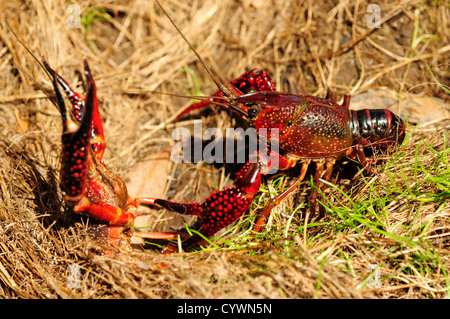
[78, 103]
[98, 146]
[258, 80]
[74, 165]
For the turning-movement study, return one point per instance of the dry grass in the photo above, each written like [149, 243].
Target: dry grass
[399, 221]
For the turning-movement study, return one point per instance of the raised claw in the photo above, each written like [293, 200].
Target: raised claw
[88, 186]
[74, 116]
[76, 135]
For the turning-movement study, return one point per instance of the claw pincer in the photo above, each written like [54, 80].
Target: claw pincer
[88, 186]
[75, 136]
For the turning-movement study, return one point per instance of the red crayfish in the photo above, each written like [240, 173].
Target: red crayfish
[310, 129]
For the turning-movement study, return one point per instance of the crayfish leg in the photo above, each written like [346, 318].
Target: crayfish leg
[356, 153]
[331, 95]
[101, 211]
[346, 102]
[318, 185]
[333, 98]
[156, 235]
[117, 237]
[276, 200]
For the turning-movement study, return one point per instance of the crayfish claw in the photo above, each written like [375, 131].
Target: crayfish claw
[220, 209]
[75, 137]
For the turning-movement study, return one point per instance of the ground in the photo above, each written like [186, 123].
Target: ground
[385, 235]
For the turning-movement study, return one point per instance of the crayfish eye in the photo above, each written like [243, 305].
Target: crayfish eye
[253, 110]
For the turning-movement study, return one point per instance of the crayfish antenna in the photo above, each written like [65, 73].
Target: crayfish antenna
[21, 69]
[226, 90]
